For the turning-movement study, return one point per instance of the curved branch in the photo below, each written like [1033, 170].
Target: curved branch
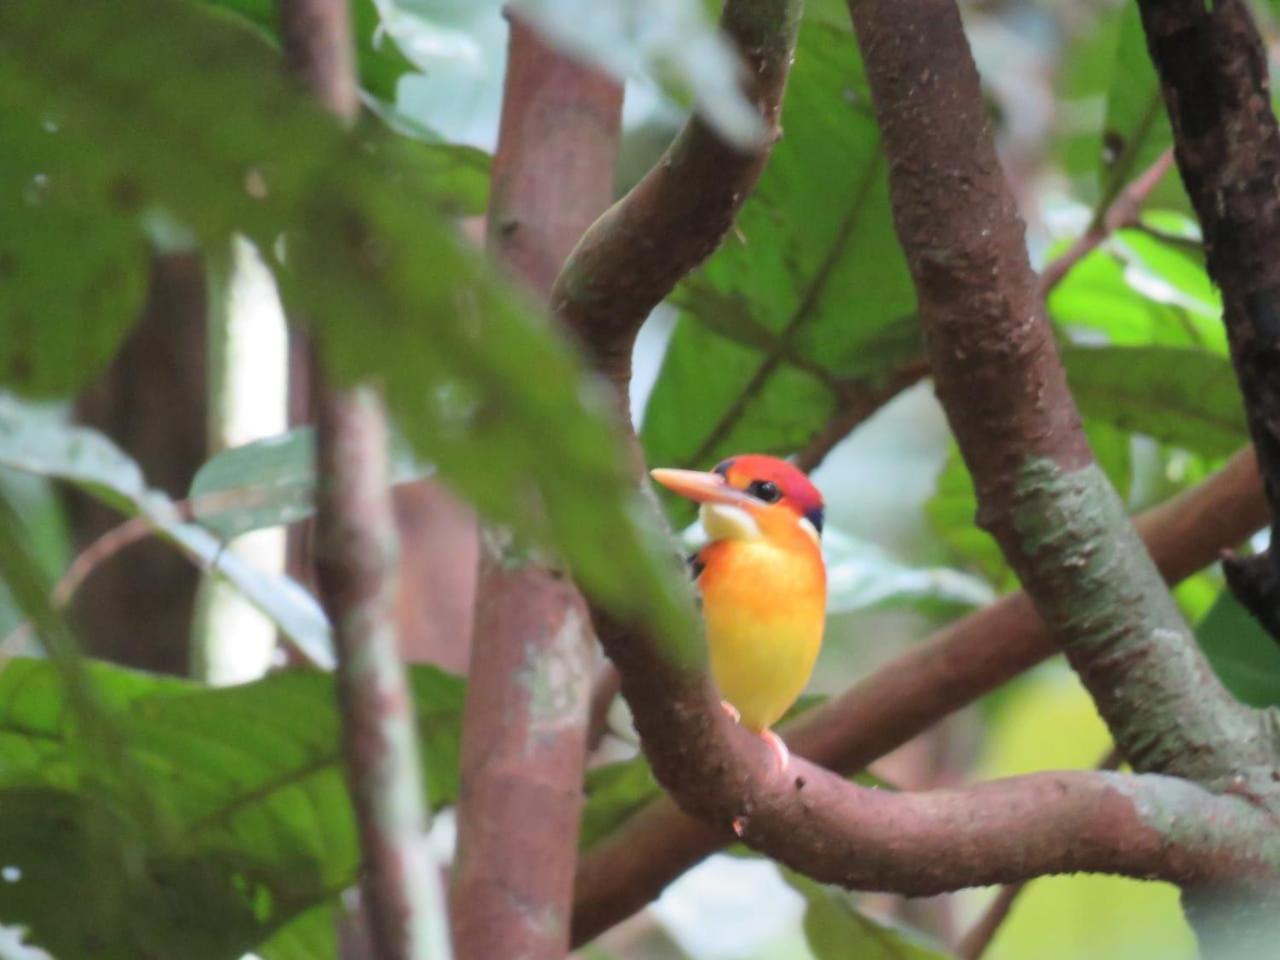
[673, 219]
[885, 709]
[997, 372]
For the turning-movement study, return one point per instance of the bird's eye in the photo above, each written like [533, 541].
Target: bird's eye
[765, 490]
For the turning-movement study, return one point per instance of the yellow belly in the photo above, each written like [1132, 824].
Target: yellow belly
[764, 611]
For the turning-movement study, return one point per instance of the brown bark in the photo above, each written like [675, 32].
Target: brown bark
[533, 657]
[1000, 380]
[151, 402]
[1213, 72]
[967, 659]
[672, 220]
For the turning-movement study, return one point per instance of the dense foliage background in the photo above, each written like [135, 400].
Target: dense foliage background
[143, 815]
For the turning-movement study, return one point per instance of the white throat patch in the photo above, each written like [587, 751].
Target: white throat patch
[725, 522]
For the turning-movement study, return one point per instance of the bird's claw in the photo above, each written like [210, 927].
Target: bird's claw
[780, 752]
[731, 710]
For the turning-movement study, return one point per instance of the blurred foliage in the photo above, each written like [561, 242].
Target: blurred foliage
[837, 930]
[220, 816]
[141, 88]
[380, 62]
[249, 823]
[1048, 722]
[271, 483]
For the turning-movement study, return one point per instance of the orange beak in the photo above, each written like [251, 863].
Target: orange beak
[701, 487]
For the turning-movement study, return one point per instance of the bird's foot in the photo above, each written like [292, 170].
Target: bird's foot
[731, 710]
[780, 752]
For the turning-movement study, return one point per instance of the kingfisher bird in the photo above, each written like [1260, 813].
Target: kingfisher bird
[762, 581]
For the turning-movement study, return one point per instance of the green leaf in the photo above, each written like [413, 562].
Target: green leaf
[1137, 126]
[270, 483]
[808, 299]
[312, 936]
[1101, 293]
[1244, 656]
[191, 115]
[837, 930]
[259, 827]
[1185, 397]
[61, 323]
[381, 63]
[615, 792]
[35, 442]
[952, 513]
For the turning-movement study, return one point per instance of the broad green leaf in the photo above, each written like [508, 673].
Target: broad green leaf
[60, 322]
[1100, 296]
[381, 63]
[1243, 655]
[808, 298]
[1184, 397]
[270, 483]
[250, 782]
[312, 936]
[181, 110]
[1137, 127]
[952, 512]
[837, 930]
[673, 40]
[1083, 79]
[34, 442]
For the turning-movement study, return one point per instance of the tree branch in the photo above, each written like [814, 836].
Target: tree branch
[1040, 493]
[673, 219]
[1213, 73]
[533, 654]
[964, 661]
[356, 558]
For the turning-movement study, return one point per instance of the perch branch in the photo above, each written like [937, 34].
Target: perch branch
[884, 710]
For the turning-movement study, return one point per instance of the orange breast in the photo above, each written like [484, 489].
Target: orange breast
[764, 603]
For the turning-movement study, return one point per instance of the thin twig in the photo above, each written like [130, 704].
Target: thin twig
[1124, 212]
[356, 556]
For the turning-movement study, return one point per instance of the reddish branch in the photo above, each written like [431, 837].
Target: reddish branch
[1123, 212]
[966, 660]
[356, 561]
[998, 375]
[1213, 72]
[533, 653]
[673, 219]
